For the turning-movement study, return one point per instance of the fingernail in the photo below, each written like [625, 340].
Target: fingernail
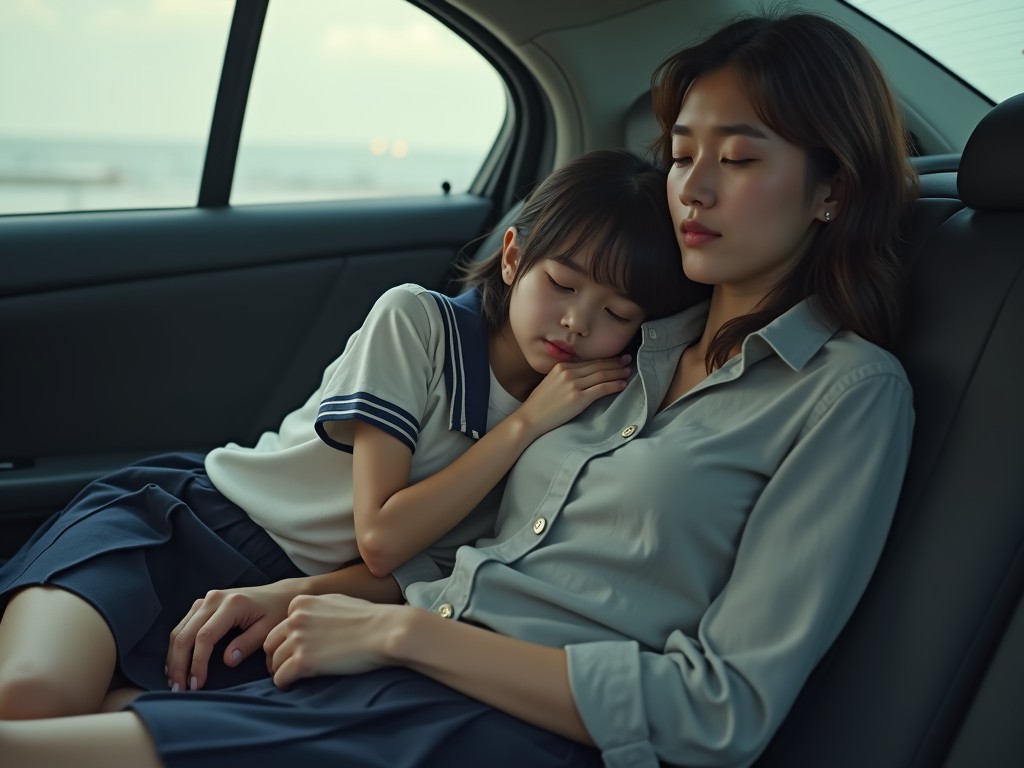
[236, 656]
[175, 688]
[627, 358]
[193, 683]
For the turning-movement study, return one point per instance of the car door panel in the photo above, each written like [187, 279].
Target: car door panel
[128, 334]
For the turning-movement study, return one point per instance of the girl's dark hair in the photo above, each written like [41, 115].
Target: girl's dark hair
[818, 87]
[610, 205]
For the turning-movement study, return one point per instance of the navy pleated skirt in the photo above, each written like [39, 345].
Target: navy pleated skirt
[391, 718]
[141, 545]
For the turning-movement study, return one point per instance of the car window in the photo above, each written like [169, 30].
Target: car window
[981, 41]
[107, 103]
[357, 99]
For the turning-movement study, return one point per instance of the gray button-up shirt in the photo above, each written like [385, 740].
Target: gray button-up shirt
[697, 561]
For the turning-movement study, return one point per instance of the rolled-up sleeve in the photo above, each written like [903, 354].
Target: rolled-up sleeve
[805, 555]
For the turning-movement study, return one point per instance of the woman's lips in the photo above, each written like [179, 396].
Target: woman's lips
[697, 239]
[696, 234]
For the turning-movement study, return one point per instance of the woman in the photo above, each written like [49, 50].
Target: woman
[668, 568]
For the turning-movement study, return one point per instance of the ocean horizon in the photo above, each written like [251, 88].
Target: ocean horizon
[50, 174]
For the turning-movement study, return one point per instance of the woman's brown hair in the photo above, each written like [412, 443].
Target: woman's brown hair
[819, 88]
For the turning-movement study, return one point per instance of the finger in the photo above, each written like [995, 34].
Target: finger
[278, 651]
[235, 610]
[596, 392]
[587, 366]
[247, 643]
[274, 639]
[596, 378]
[286, 674]
[179, 646]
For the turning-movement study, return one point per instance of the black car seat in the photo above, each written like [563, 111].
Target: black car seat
[930, 669]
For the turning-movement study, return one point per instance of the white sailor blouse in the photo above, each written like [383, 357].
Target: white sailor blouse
[417, 368]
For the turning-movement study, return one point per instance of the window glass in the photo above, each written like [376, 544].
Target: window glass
[980, 41]
[106, 103]
[358, 99]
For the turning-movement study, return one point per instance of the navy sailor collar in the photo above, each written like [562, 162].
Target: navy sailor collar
[466, 368]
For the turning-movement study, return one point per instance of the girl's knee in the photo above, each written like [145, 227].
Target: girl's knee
[27, 693]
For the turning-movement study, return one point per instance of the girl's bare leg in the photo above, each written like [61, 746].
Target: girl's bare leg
[90, 741]
[57, 656]
[116, 699]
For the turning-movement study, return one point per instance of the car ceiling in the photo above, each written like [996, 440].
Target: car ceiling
[594, 60]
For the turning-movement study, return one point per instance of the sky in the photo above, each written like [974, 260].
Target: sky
[328, 71]
[981, 39]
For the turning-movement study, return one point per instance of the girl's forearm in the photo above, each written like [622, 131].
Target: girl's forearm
[414, 517]
[523, 679]
[353, 580]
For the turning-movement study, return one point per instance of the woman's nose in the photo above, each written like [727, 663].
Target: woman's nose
[697, 184]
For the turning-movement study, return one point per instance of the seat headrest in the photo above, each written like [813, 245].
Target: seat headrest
[991, 175]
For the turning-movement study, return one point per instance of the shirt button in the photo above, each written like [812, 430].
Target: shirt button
[539, 525]
[629, 431]
[446, 610]
[653, 333]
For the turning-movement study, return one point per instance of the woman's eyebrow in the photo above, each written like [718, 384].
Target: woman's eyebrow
[736, 129]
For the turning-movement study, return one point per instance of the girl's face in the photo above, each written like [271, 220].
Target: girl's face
[558, 313]
[737, 191]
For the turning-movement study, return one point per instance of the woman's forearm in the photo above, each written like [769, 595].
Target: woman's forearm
[523, 679]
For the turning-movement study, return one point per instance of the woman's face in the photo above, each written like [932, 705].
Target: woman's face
[737, 191]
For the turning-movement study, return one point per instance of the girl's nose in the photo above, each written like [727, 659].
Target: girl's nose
[574, 322]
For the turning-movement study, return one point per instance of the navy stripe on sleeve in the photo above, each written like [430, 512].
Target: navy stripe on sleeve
[372, 410]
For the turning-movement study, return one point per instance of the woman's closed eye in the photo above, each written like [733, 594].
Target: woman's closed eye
[737, 161]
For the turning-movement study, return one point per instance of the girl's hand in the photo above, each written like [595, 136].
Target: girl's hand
[332, 635]
[255, 610]
[568, 389]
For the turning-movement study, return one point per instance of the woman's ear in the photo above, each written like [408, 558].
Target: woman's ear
[828, 199]
[509, 256]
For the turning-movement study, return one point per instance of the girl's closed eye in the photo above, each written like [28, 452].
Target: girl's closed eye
[557, 285]
[737, 161]
[616, 316]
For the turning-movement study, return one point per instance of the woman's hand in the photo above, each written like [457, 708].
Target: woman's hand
[569, 388]
[254, 610]
[332, 635]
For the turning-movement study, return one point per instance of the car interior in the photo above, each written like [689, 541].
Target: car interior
[128, 333]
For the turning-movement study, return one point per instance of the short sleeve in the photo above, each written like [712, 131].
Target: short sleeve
[385, 374]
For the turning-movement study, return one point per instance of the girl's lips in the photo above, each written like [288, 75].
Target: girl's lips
[559, 351]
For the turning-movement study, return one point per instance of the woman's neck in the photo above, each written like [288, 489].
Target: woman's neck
[725, 306]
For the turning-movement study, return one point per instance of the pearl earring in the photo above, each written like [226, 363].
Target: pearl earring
[828, 215]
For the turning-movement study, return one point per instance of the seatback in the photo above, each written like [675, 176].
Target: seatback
[930, 669]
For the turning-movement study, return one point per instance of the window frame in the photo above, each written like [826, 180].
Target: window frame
[519, 156]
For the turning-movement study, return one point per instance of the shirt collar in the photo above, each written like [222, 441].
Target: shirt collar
[466, 370]
[795, 336]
